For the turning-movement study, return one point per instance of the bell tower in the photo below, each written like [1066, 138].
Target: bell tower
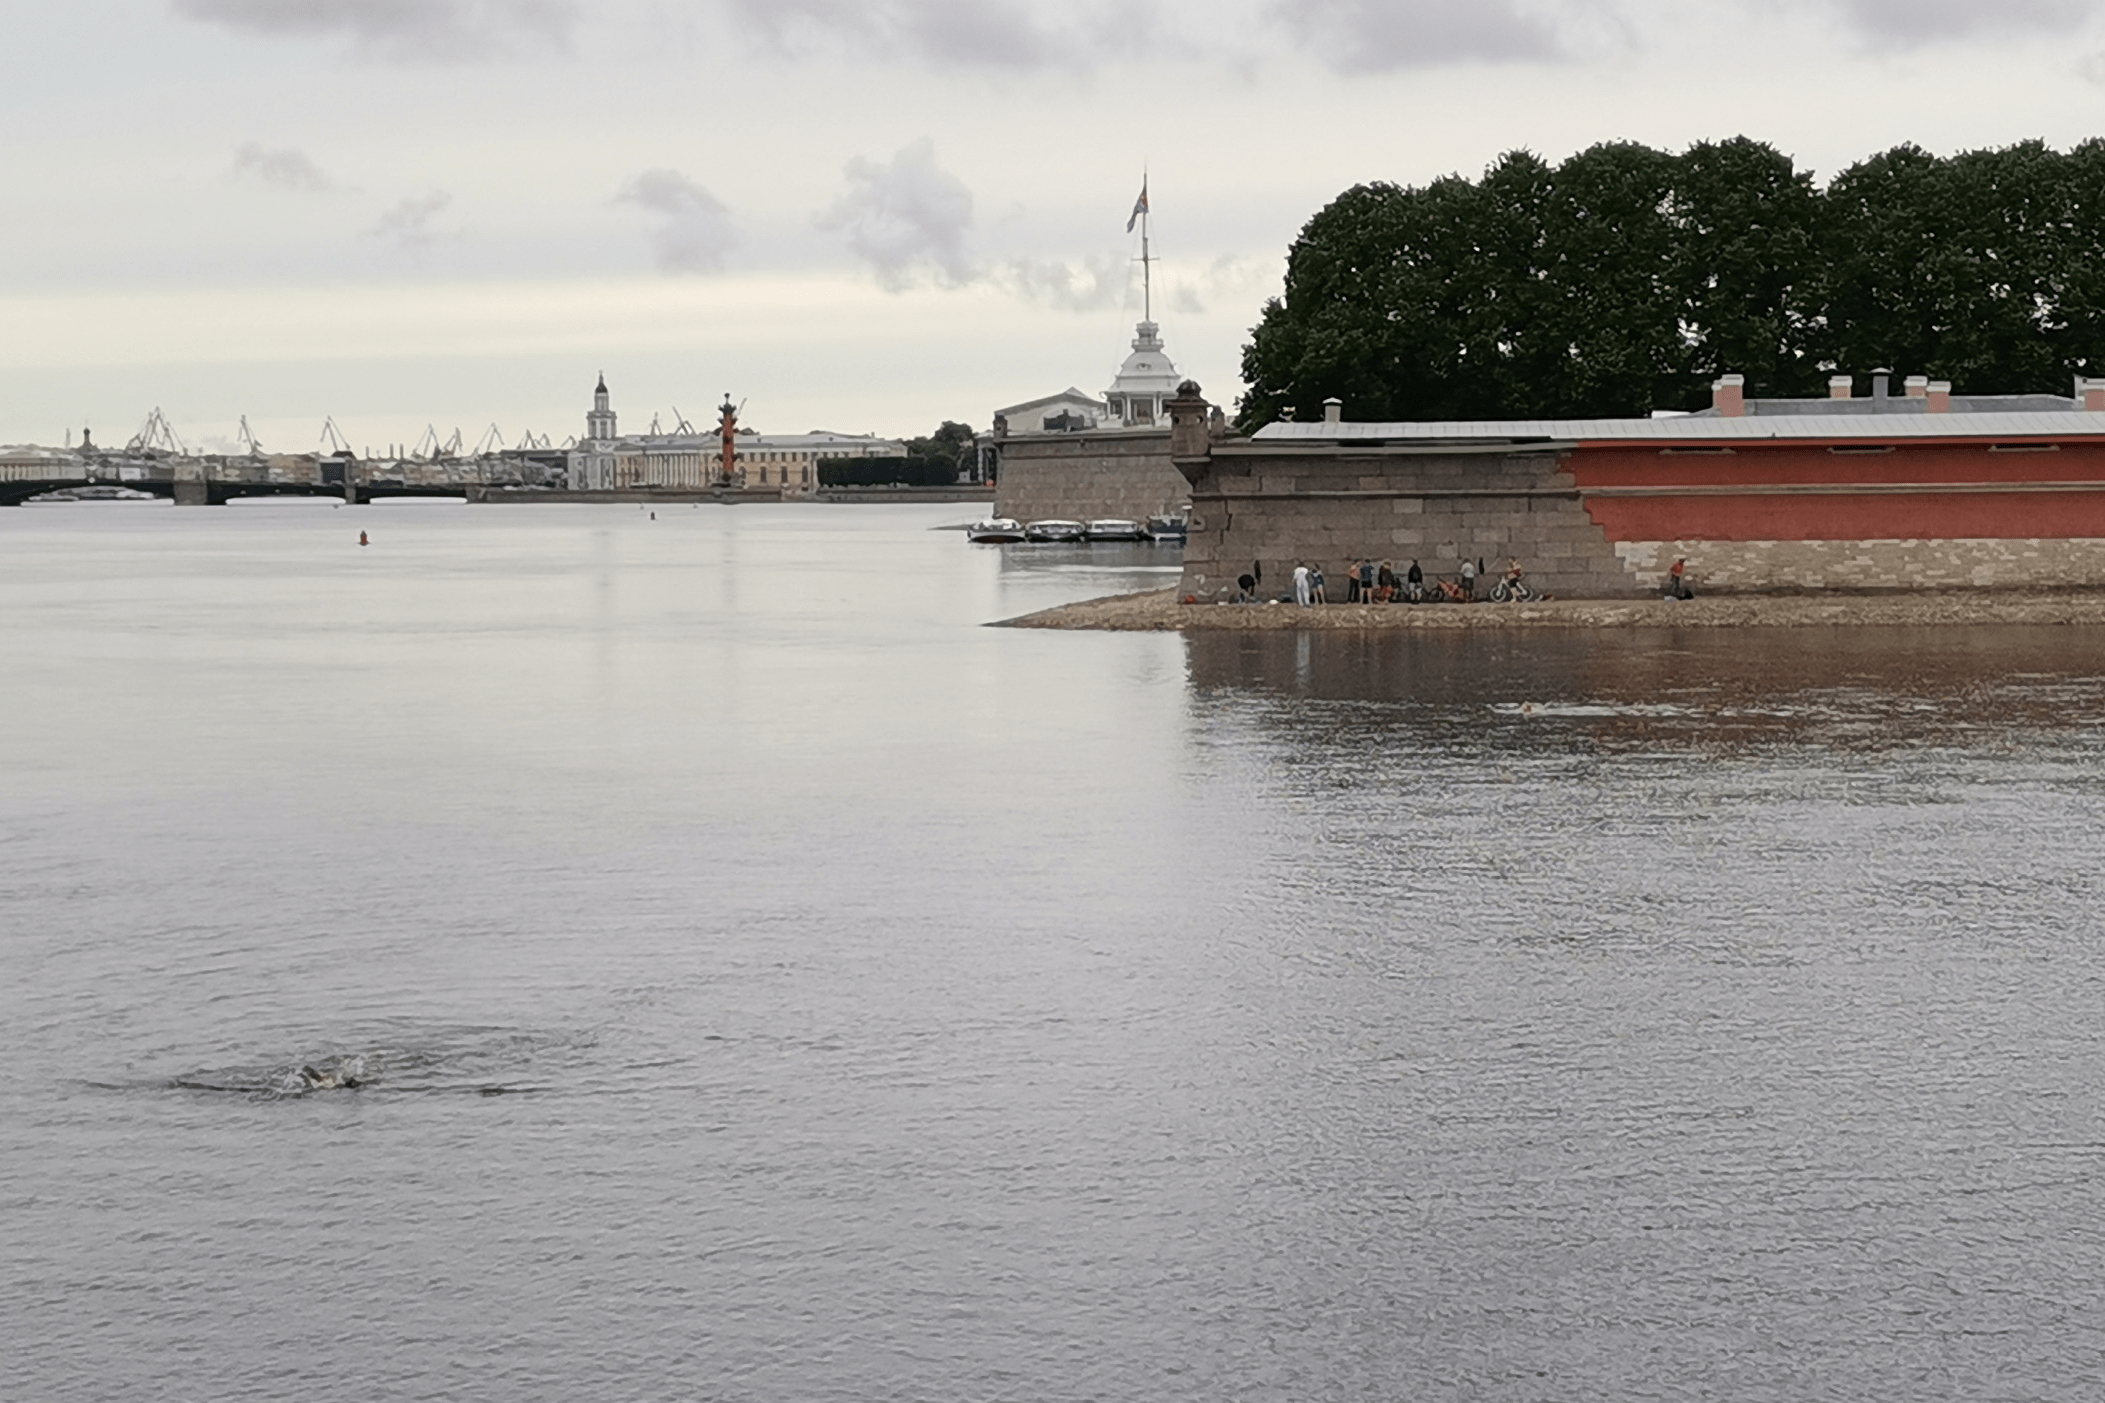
[599, 424]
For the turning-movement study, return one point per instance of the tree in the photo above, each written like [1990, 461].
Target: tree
[932, 461]
[1627, 279]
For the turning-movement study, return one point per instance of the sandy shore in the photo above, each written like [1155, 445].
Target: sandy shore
[1159, 611]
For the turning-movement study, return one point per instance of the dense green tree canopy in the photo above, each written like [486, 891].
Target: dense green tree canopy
[936, 460]
[1627, 279]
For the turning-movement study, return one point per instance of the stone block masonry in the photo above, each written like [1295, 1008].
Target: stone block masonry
[1083, 476]
[1600, 509]
[1257, 506]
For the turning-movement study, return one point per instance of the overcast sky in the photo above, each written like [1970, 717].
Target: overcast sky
[851, 214]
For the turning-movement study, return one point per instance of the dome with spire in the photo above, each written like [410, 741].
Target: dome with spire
[1146, 381]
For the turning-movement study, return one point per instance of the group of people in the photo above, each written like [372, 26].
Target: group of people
[1369, 583]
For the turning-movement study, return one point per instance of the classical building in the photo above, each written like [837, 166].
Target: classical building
[1923, 490]
[790, 462]
[1078, 457]
[1145, 383]
[787, 464]
[27, 463]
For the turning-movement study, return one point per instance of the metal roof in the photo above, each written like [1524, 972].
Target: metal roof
[1694, 429]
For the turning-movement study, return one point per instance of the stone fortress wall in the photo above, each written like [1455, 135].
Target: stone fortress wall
[1086, 475]
[2010, 503]
[1282, 509]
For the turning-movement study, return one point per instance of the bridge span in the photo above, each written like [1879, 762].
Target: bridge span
[215, 491]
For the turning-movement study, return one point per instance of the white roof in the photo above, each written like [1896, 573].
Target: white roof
[1070, 395]
[2048, 424]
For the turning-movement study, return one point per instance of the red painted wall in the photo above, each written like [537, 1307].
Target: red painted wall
[1828, 511]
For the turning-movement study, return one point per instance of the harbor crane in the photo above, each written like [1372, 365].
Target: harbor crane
[157, 435]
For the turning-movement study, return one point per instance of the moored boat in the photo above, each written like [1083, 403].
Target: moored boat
[995, 530]
[1169, 530]
[1053, 530]
[1114, 528]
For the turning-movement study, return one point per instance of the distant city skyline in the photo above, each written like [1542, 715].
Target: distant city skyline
[866, 217]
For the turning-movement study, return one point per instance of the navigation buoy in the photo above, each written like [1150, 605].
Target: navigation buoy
[362, 540]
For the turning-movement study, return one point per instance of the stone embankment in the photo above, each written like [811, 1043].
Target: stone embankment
[1160, 611]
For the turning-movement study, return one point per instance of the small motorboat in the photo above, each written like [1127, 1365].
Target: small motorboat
[1054, 530]
[1169, 530]
[1114, 528]
[995, 530]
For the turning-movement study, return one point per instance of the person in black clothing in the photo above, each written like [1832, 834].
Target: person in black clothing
[1414, 583]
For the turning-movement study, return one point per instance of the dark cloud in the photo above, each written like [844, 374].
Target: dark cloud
[1379, 35]
[286, 168]
[966, 33]
[1919, 23]
[906, 218]
[434, 31]
[695, 231]
[412, 223]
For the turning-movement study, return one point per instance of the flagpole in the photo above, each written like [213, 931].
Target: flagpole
[1147, 272]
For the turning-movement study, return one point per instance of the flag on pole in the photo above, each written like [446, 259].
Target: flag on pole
[1140, 207]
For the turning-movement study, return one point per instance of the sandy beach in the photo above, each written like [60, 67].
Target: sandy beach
[1159, 611]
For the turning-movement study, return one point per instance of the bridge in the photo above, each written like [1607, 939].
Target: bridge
[212, 482]
[217, 492]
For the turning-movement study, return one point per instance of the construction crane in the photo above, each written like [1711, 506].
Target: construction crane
[157, 435]
[333, 437]
[248, 439]
[490, 442]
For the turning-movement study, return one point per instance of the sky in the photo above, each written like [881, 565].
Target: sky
[858, 215]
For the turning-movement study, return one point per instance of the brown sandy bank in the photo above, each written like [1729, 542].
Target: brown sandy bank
[1159, 611]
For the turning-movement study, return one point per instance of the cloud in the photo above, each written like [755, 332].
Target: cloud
[697, 229]
[429, 31]
[998, 34]
[1913, 23]
[287, 168]
[1359, 36]
[1101, 281]
[905, 218]
[410, 224]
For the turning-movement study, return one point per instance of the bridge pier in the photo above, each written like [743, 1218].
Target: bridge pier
[193, 492]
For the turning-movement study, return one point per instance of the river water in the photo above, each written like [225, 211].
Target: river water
[763, 982]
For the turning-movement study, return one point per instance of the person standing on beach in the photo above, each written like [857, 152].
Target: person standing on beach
[1302, 595]
[1677, 580]
[1315, 585]
[1414, 583]
[1468, 579]
[1352, 583]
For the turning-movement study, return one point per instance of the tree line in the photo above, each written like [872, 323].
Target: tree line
[936, 460]
[1626, 279]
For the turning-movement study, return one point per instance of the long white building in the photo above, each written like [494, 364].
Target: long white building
[607, 460]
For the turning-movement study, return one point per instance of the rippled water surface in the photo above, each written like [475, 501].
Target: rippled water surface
[556, 954]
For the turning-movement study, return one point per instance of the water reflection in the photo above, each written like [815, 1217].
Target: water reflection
[1852, 688]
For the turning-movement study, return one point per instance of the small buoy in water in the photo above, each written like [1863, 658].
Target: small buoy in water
[362, 540]
[654, 516]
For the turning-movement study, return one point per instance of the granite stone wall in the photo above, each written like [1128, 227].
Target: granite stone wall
[1278, 508]
[1798, 567]
[1076, 477]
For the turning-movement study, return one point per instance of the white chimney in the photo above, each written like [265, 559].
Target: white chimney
[1917, 386]
[1841, 386]
[1333, 410]
[1728, 395]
